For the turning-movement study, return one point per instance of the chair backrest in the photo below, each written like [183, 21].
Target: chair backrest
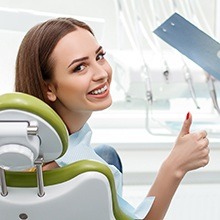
[82, 190]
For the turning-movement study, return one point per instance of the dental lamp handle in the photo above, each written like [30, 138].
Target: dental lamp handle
[213, 95]
[149, 93]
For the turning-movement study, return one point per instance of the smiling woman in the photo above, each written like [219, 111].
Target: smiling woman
[61, 62]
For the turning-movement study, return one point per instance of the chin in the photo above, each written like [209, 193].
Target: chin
[103, 106]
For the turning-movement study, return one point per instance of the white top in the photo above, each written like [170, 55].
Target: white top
[80, 148]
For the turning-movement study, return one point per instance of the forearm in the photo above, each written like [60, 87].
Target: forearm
[50, 166]
[164, 188]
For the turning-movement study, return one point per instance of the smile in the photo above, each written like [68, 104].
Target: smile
[99, 91]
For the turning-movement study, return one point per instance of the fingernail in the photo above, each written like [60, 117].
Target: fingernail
[187, 116]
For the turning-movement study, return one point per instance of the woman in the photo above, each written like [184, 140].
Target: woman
[60, 62]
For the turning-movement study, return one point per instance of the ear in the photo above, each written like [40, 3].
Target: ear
[50, 91]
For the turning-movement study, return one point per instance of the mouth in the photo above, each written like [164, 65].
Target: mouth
[99, 91]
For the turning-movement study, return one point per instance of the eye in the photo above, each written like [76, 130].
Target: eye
[101, 56]
[79, 68]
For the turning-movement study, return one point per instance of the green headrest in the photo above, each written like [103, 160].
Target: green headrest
[28, 103]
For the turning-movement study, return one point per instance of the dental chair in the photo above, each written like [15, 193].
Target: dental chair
[32, 134]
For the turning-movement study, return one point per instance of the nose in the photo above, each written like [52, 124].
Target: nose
[100, 72]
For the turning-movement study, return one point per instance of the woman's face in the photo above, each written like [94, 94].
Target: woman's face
[82, 76]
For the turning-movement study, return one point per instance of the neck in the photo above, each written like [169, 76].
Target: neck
[76, 122]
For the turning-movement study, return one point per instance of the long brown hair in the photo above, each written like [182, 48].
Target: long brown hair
[34, 64]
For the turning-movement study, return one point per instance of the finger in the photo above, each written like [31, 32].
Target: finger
[206, 159]
[204, 145]
[186, 125]
[206, 142]
[205, 156]
[202, 134]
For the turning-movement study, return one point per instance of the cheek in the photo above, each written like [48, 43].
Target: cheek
[109, 71]
[73, 86]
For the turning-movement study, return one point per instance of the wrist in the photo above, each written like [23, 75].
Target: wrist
[171, 167]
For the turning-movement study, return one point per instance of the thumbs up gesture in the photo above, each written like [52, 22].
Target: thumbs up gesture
[190, 150]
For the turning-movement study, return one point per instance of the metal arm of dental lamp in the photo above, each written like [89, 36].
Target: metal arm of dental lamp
[188, 79]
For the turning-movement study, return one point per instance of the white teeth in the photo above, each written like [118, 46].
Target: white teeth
[99, 91]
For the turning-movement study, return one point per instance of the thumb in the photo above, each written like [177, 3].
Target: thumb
[186, 125]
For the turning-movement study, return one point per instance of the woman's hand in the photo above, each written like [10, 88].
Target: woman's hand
[190, 150]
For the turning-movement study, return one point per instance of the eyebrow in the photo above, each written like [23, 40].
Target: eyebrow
[77, 60]
[100, 48]
[83, 58]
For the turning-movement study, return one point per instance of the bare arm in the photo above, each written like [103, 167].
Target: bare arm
[189, 152]
[50, 166]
